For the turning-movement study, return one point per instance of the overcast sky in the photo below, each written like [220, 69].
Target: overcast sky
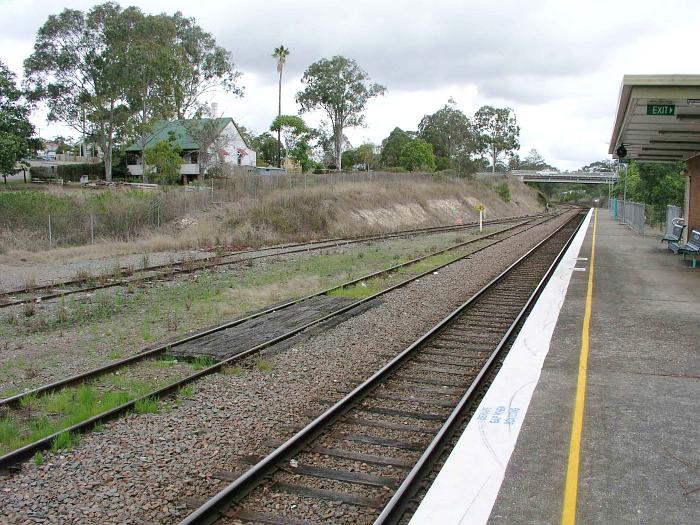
[557, 63]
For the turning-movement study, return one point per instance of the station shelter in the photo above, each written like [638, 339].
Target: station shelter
[658, 120]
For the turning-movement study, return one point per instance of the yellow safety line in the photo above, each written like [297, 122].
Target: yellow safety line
[568, 514]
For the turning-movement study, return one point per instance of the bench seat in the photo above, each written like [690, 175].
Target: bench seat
[691, 248]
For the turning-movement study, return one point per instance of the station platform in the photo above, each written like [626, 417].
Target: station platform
[630, 407]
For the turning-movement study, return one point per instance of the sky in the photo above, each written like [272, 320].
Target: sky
[558, 64]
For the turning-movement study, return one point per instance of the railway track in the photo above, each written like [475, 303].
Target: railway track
[16, 402]
[127, 276]
[364, 458]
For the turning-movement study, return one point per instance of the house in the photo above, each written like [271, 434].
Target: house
[226, 145]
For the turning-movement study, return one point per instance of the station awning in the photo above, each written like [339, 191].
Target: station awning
[658, 118]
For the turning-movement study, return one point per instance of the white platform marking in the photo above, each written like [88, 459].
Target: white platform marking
[467, 486]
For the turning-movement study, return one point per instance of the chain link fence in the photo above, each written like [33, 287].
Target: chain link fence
[636, 215]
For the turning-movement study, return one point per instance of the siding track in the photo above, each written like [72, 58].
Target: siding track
[364, 459]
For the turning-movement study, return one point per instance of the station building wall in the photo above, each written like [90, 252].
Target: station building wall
[692, 192]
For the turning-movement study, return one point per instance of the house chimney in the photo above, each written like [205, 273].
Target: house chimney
[214, 109]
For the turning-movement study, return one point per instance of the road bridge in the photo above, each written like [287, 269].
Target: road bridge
[567, 177]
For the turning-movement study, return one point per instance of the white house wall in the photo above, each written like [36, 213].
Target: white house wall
[233, 144]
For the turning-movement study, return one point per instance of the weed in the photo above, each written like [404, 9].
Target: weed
[115, 354]
[65, 441]
[202, 362]
[186, 391]
[28, 402]
[30, 284]
[503, 191]
[148, 405]
[264, 366]
[145, 261]
[38, 459]
[236, 371]
[188, 301]
[98, 427]
[82, 276]
[171, 322]
[29, 309]
[62, 315]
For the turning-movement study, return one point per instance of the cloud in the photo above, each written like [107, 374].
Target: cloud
[557, 63]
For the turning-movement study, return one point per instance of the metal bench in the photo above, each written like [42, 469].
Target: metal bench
[675, 235]
[692, 247]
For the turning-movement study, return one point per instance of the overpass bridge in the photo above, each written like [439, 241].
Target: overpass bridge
[567, 177]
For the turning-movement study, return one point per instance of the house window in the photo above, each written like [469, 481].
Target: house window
[194, 157]
[240, 158]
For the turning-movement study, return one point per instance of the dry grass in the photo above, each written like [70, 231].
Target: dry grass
[344, 209]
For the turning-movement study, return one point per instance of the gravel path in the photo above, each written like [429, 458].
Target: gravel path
[147, 468]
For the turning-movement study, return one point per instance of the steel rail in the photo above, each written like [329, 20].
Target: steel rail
[96, 372]
[215, 261]
[243, 485]
[25, 452]
[397, 505]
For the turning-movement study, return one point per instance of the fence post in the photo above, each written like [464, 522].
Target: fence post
[92, 229]
[50, 235]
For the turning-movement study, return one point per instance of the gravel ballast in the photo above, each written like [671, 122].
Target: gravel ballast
[155, 468]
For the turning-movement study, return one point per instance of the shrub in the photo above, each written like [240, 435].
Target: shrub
[503, 191]
[394, 169]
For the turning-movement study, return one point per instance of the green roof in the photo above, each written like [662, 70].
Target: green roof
[180, 128]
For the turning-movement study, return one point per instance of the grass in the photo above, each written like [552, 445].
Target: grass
[264, 366]
[186, 391]
[148, 405]
[202, 362]
[38, 459]
[52, 413]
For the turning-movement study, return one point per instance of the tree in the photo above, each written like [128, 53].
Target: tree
[212, 141]
[266, 147]
[280, 53]
[449, 131]
[77, 69]
[109, 73]
[367, 154]
[497, 132]
[417, 155]
[600, 166]
[292, 127]
[204, 68]
[342, 89]
[392, 147]
[15, 129]
[533, 162]
[166, 159]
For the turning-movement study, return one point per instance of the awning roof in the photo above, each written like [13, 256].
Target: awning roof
[658, 117]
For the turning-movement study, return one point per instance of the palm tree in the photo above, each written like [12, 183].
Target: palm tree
[281, 53]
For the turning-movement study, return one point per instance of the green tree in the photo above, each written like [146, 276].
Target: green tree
[77, 69]
[367, 154]
[533, 161]
[15, 129]
[166, 159]
[342, 89]
[449, 131]
[291, 127]
[350, 157]
[265, 146]
[392, 147]
[280, 54]
[497, 132]
[204, 68]
[417, 155]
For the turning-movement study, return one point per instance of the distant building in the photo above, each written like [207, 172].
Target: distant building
[227, 145]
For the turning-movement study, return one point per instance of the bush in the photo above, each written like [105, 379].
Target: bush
[298, 215]
[503, 191]
[69, 172]
[444, 175]
[395, 169]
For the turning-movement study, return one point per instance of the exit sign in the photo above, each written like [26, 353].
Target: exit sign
[661, 109]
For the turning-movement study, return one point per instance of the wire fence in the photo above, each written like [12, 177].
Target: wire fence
[636, 215]
[245, 184]
[69, 217]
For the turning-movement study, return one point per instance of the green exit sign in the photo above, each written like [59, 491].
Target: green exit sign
[661, 109]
